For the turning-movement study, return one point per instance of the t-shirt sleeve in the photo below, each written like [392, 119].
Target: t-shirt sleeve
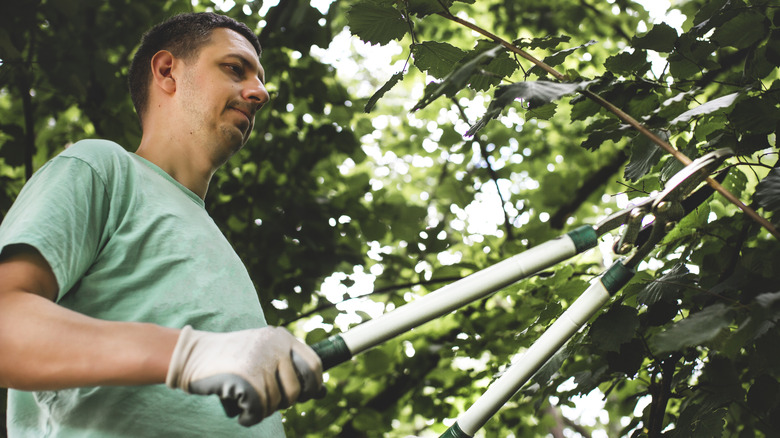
[62, 213]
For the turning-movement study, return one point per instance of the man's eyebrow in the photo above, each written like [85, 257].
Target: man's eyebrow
[248, 65]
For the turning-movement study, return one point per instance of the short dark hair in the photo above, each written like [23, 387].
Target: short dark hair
[183, 35]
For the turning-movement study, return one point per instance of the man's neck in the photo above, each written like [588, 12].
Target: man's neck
[181, 163]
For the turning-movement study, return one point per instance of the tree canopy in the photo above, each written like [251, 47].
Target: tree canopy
[410, 143]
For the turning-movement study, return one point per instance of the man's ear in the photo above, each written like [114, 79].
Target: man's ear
[162, 71]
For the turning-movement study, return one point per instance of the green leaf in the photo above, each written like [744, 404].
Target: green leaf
[237, 224]
[8, 50]
[750, 143]
[589, 380]
[710, 424]
[644, 156]
[584, 108]
[706, 15]
[456, 80]
[668, 287]
[376, 361]
[536, 93]
[492, 73]
[381, 92]
[707, 108]
[758, 65]
[374, 230]
[691, 57]
[543, 375]
[700, 419]
[315, 336]
[614, 328]
[763, 393]
[660, 313]
[749, 330]
[626, 63]
[755, 115]
[773, 48]
[12, 144]
[555, 198]
[742, 31]
[422, 8]
[660, 38]
[681, 67]
[695, 330]
[628, 359]
[672, 166]
[768, 191]
[643, 105]
[436, 58]
[558, 57]
[545, 43]
[598, 137]
[367, 419]
[735, 182]
[376, 23]
[544, 112]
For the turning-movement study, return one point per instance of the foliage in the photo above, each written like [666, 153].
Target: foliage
[346, 203]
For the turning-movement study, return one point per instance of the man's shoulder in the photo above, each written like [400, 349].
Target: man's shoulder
[104, 157]
[96, 150]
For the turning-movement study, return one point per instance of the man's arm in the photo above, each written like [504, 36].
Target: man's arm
[45, 346]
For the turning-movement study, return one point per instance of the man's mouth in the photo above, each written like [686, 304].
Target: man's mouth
[246, 114]
[242, 126]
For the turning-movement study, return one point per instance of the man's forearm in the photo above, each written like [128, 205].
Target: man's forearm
[44, 346]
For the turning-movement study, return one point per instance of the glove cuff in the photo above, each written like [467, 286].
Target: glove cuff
[176, 375]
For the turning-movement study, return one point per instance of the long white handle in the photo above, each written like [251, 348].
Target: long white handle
[503, 388]
[460, 293]
[340, 348]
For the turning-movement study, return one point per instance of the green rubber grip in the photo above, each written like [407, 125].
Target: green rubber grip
[332, 351]
[584, 238]
[454, 432]
[616, 277]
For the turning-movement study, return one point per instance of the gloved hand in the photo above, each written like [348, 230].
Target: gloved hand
[251, 371]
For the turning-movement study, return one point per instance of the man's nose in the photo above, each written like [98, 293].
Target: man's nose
[255, 92]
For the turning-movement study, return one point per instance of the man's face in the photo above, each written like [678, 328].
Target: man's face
[221, 91]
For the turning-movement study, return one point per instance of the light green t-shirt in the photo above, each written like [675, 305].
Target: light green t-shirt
[129, 243]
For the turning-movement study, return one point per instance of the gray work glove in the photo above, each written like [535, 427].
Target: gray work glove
[251, 371]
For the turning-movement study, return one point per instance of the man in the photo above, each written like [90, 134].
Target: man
[113, 278]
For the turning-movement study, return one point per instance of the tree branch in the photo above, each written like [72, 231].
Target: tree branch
[661, 392]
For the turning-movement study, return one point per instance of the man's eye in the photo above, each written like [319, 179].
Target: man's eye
[235, 69]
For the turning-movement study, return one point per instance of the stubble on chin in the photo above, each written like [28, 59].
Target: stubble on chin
[232, 142]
